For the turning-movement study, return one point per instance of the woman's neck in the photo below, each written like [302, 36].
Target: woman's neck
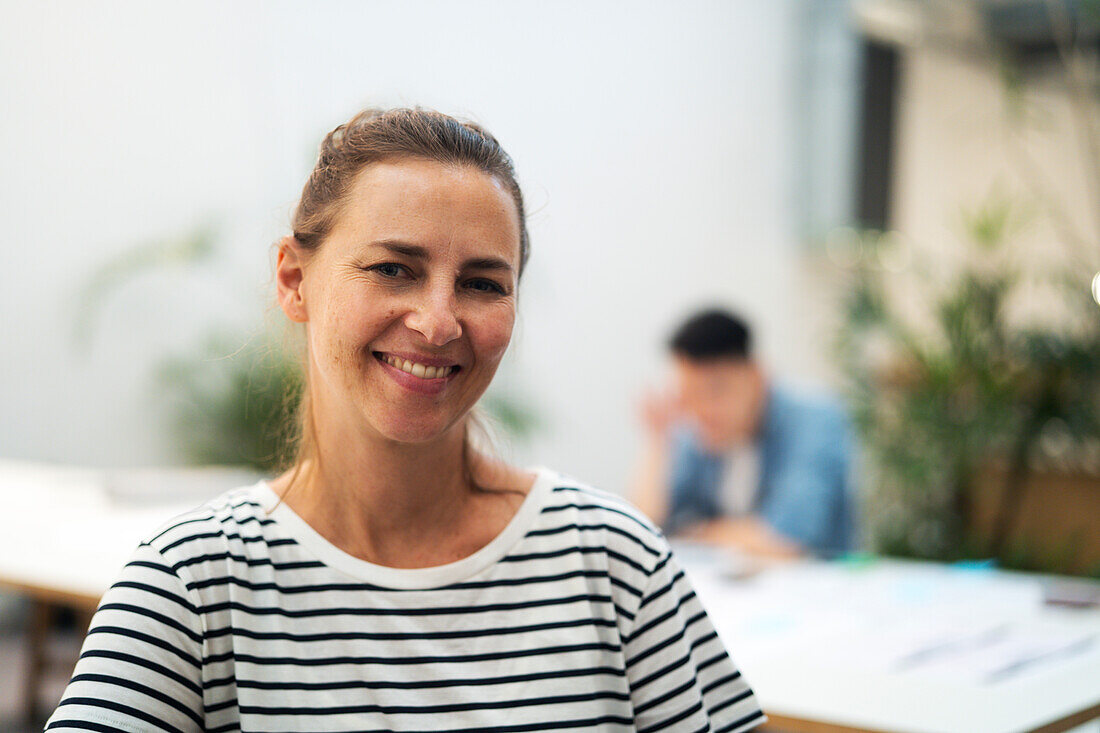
[403, 505]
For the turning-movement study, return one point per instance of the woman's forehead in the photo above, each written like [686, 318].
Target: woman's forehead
[430, 204]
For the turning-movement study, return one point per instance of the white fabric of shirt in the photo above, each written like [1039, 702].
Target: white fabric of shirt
[740, 479]
[235, 617]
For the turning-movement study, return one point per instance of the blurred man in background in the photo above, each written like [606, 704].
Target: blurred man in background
[734, 460]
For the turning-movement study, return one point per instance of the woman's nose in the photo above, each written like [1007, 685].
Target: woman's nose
[435, 318]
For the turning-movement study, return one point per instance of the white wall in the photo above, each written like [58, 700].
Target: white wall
[960, 144]
[652, 140]
[959, 140]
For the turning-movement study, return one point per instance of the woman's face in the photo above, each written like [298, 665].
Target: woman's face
[410, 300]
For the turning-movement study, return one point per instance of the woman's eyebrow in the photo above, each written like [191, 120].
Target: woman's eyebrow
[401, 248]
[421, 253]
[487, 263]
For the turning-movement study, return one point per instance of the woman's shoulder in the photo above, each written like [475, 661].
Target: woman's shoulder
[623, 526]
[238, 515]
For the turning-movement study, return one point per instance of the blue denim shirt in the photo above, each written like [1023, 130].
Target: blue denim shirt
[805, 490]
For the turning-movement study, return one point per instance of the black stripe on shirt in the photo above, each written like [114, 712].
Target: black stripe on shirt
[600, 507]
[740, 722]
[430, 611]
[593, 527]
[654, 702]
[251, 562]
[228, 536]
[359, 587]
[143, 689]
[83, 725]
[430, 709]
[166, 620]
[731, 701]
[719, 682]
[570, 550]
[357, 684]
[519, 728]
[408, 636]
[658, 593]
[658, 674]
[154, 641]
[145, 663]
[118, 708]
[664, 724]
[392, 660]
[154, 590]
[213, 516]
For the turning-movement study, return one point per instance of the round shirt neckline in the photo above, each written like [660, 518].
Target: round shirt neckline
[410, 578]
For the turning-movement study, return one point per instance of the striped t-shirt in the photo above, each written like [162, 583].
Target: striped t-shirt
[234, 617]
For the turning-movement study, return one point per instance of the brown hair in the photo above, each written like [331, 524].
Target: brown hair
[374, 136]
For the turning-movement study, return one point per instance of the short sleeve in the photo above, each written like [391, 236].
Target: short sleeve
[140, 666]
[680, 675]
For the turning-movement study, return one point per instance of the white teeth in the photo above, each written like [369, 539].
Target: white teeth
[417, 370]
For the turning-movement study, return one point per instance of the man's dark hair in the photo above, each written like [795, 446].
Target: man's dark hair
[712, 334]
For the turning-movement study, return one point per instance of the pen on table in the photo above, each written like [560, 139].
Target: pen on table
[947, 646]
[1017, 665]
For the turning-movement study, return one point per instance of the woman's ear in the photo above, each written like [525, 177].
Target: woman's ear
[289, 271]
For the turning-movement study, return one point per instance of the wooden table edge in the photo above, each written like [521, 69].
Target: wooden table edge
[1070, 721]
[47, 594]
[789, 724]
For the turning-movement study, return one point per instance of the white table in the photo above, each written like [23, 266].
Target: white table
[62, 538]
[65, 534]
[835, 646]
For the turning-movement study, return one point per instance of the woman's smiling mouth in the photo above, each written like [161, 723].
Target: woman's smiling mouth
[417, 368]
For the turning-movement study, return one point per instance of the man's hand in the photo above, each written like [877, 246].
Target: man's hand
[750, 535]
[658, 410]
[650, 490]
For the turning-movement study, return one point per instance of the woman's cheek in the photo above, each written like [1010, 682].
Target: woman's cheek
[500, 335]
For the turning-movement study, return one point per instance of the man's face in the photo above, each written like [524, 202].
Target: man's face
[724, 398]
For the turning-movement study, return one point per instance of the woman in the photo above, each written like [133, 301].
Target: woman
[395, 578]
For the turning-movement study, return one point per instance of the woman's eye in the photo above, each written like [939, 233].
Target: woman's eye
[485, 286]
[388, 269]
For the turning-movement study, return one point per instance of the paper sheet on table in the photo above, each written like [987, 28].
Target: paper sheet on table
[1016, 652]
[960, 650]
[882, 618]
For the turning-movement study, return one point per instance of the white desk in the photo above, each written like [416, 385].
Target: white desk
[65, 534]
[64, 537]
[823, 645]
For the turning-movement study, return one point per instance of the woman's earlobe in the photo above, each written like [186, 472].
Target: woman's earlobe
[289, 277]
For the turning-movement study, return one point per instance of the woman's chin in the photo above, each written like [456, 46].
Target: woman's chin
[416, 432]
